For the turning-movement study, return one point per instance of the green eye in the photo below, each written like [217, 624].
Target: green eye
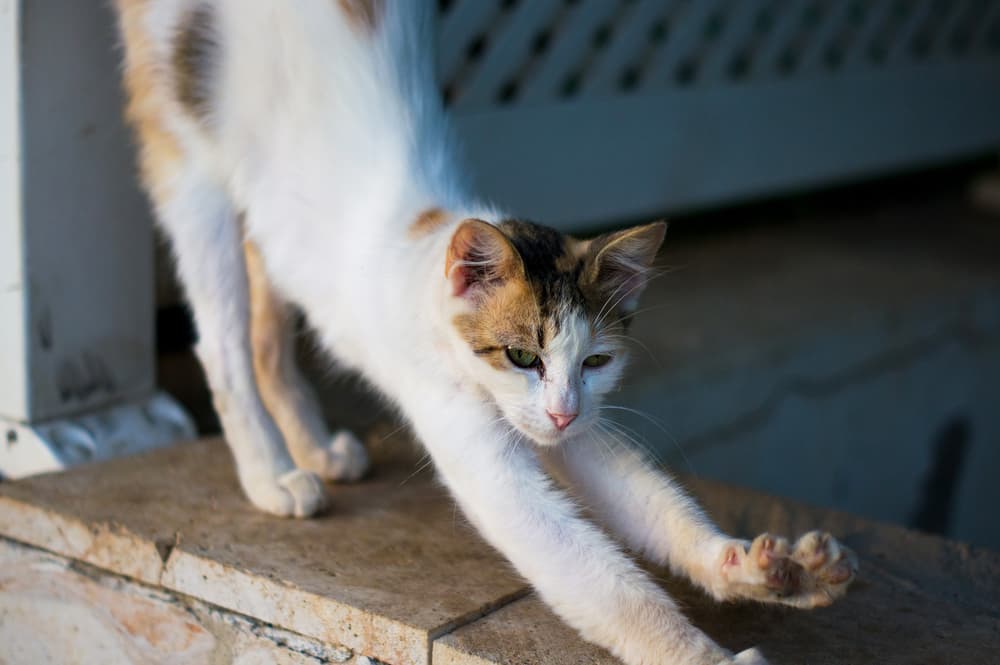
[522, 357]
[596, 360]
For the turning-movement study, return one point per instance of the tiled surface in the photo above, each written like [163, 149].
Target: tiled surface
[389, 568]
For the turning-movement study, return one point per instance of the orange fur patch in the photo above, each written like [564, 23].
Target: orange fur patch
[427, 222]
[363, 14]
[267, 319]
[159, 152]
[272, 339]
[508, 317]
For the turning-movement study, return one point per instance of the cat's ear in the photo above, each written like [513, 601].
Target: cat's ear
[480, 256]
[619, 263]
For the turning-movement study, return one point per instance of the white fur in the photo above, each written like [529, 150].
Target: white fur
[333, 141]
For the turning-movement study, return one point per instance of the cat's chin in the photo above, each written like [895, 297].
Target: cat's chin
[549, 438]
[546, 439]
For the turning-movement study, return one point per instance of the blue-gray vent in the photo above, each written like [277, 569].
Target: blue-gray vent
[589, 111]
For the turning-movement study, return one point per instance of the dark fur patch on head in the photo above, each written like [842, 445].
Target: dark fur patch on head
[553, 265]
[562, 276]
[195, 60]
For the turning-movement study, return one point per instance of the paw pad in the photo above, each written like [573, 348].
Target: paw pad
[812, 573]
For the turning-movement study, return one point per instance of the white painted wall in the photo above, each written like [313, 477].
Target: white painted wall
[76, 242]
[13, 364]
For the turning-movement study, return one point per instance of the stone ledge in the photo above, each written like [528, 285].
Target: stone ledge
[390, 568]
[394, 573]
[56, 610]
[918, 599]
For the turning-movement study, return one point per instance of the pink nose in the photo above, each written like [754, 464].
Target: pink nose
[562, 420]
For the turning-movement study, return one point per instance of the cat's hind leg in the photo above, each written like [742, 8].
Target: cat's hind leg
[206, 235]
[286, 393]
[168, 78]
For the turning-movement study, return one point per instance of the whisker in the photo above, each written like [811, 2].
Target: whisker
[611, 452]
[630, 437]
[637, 312]
[628, 339]
[638, 442]
[600, 312]
[418, 470]
[393, 432]
[607, 453]
[647, 278]
[671, 437]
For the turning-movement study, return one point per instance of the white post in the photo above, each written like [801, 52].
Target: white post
[77, 372]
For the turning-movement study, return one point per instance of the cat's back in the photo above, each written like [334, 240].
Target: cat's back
[317, 122]
[241, 84]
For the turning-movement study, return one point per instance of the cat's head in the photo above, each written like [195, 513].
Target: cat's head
[545, 315]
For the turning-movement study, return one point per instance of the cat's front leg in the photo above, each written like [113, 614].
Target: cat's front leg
[577, 570]
[657, 518]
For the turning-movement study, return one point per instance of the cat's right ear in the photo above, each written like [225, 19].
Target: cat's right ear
[479, 257]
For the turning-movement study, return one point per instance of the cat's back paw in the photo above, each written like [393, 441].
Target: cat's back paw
[296, 493]
[344, 459]
[749, 657]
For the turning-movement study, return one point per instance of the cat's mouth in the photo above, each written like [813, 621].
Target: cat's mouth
[551, 435]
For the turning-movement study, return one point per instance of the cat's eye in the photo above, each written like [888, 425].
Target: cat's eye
[522, 357]
[596, 360]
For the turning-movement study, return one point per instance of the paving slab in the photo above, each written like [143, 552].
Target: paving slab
[388, 569]
[918, 599]
[58, 610]
[844, 343]
[394, 572]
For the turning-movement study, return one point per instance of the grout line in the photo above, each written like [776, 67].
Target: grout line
[445, 629]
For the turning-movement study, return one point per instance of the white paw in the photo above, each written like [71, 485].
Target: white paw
[344, 459]
[813, 572]
[296, 493]
[749, 657]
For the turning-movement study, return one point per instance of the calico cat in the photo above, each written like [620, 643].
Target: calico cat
[296, 153]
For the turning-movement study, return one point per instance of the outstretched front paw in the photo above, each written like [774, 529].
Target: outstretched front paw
[813, 572]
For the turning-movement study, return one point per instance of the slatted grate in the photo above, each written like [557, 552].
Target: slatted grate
[510, 52]
[587, 111]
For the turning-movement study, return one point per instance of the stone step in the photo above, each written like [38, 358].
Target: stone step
[158, 558]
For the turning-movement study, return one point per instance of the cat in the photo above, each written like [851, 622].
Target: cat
[296, 152]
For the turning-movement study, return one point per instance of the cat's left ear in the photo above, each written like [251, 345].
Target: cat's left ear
[618, 264]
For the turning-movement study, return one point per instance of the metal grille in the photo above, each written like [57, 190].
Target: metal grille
[511, 56]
